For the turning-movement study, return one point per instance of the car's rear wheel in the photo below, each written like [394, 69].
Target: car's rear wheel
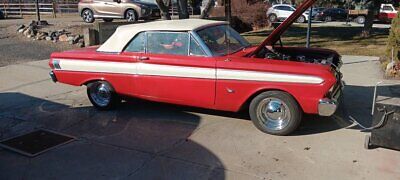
[88, 16]
[275, 112]
[328, 19]
[301, 19]
[130, 15]
[102, 95]
[273, 18]
[108, 19]
[360, 19]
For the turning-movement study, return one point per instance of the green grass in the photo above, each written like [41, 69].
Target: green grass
[344, 39]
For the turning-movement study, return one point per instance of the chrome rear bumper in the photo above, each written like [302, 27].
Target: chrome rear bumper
[53, 76]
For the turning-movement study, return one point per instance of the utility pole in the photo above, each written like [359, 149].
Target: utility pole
[228, 10]
[309, 28]
[37, 11]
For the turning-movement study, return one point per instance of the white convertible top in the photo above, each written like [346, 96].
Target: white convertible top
[123, 34]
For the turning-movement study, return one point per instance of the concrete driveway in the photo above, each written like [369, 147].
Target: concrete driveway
[145, 140]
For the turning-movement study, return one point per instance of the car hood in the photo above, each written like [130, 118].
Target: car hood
[277, 33]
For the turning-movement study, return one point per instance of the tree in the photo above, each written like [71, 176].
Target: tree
[164, 6]
[394, 39]
[182, 9]
[373, 6]
[208, 6]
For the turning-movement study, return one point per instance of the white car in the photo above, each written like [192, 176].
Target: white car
[280, 12]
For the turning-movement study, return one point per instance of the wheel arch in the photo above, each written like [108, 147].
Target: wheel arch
[246, 104]
[83, 9]
[134, 10]
[88, 81]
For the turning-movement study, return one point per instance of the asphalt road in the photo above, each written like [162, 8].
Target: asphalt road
[146, 140]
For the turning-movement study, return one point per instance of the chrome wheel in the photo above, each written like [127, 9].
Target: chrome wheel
[328, 19]
[273, 18]
[301, 19]
[273, 114]
[101, 95]
[130, 16]
[87, 16]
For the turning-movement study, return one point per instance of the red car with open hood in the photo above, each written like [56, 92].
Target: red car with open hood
[207, 64]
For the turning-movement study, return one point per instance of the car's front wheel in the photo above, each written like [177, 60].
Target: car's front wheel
[88, 16]
[130, 15]
[102, 95]
[328, 19]
[275, 112]
[360, 19]
[273, 18]
[301, 19]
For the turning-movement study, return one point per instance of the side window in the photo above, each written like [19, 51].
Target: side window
[176, 43]
[287, 8]
[195, 49]
[387, 8]
[137, 44]
[279, 8]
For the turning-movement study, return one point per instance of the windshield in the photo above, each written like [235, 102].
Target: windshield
[222, 40]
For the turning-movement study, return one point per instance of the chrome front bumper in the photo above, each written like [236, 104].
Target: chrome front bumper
[328, 106]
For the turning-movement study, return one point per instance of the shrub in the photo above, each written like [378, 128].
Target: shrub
[394, 39]
[251, 12]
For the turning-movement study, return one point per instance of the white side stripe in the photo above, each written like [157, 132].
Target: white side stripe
[175, 71]
[98, 66]
[266, 76]
[180, 71]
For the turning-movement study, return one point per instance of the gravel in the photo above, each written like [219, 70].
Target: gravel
[16, 48]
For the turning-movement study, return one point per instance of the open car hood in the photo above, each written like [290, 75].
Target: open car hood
[277, 33]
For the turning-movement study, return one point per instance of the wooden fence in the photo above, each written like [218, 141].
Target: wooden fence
[174, 10]
[21, 9]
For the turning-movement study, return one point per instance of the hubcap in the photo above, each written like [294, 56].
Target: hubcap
[301, 19]
[272, 18]
[273, 114]
[130, 16]
[101, 95]
[87, 16]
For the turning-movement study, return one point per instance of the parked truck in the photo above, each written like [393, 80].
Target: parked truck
[386, 13]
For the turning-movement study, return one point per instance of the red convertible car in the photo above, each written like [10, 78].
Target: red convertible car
[207, 64]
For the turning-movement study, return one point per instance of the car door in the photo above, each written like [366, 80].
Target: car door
[286, 11]
[134, 49]
[172, 70]
[111, 8]
[342, 15]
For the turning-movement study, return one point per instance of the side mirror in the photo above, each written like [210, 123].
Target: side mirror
[117, 1]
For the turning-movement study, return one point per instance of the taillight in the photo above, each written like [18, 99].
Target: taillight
[51, 64]
[54, 64]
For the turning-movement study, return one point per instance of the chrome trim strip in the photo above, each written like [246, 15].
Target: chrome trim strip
[183, 71]
[108, 16]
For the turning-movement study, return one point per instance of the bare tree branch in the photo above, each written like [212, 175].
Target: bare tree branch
[164, 8]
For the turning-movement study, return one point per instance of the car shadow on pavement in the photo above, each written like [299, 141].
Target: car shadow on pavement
[356, 102]
[140, 140]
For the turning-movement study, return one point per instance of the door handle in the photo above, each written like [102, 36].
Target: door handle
[142, 58]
